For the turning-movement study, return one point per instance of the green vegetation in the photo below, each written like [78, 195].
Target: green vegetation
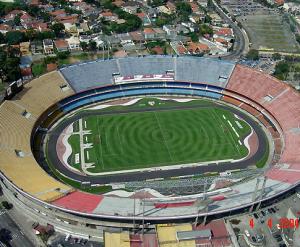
[132, 22]
[253, 55]
[288, 69]
[183, 10]
[205, 29]
[9, 64]
[276, 56]
[281, 70]
[160, 138]
[261, 163]
[156, 3]
[58, 29]
[38, 69]
[95, 189]
[7, 205]
[165, 19]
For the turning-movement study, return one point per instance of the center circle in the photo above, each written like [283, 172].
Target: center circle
[158, 136]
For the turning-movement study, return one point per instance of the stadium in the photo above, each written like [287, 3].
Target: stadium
[74, 141]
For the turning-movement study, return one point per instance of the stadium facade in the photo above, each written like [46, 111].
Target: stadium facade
[26, 117]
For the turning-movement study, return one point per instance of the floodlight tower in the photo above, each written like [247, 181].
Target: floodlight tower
[262, 192]
[254, 194]
[201, 205]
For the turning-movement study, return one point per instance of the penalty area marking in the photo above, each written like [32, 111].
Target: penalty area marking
[77, 158]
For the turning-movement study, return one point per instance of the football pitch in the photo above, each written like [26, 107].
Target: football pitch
[155, 138]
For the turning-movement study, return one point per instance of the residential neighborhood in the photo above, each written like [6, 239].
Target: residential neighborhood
[36, 33]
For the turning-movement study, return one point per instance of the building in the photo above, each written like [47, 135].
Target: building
[197, 48]
[5, 28]
[74, 43]
[36, 47]
[48, 46]
[25, 48]
[61, 45]
[149, 33]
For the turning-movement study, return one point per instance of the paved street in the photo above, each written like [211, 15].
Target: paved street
[239, 45]
[18, 238]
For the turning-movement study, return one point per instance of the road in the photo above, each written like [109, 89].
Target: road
[240, 42]
[18, 237]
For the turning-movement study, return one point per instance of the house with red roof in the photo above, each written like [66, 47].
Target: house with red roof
[181, 50]
[109, 16]
[12, 14]
[279, 2]
[61, 45]
[224, 32]
[197, 48]
[157, 50]
[38, 26]
[149, 33]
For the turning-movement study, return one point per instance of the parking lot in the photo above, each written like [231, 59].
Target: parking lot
[267, 28]
[264, 227]
[61, 240]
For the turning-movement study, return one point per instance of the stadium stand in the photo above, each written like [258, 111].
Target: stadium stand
[231, 100]
[284, 104]
[90, 74]
[146, 65]
[98, 73]
[54, 88]
[173, 205]
[259, 87]
[287, 109]
[206, 70]
[17, 118]
[79, 201]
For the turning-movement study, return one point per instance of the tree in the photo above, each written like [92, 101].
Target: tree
[63, 54]
[276, 56]
[17, 20]
[210, 4]
[7, 205]
[14, 37]
[58, 28]
[84, 45]
[253, 54]
[183, 10]
[207, 19]
[2, 38]
[205, 29]
[92, 45]
[45, 35]
[281, 70]
[45, 16]
[298, 38]
[156, 3]
[194, 37]
[48, 60]
[12, 69]
[5, 236]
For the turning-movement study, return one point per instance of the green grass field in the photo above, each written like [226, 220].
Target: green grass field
[159, 138]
